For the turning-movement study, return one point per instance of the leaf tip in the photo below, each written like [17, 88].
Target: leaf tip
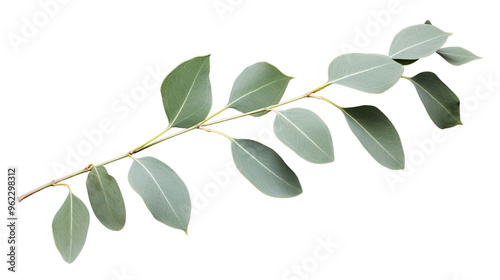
[401, 166]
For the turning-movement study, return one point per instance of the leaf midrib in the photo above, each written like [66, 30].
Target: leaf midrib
[412, 46]
[367, 132]
[189, 93]
[105, 197]
[255, 90]
[263, 165]
[163, 194]
[302, 132]
[71, 225]
[444, 52]
[437, 101]
[360, 72]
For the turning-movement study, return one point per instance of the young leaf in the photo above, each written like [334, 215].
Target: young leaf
[187, 94]
[377, 134]
[163, 191]
[442, 105]
[305, 133]
[264, 168]
[406, 61]
[70, 227]
[258, 86]
[456, 55]
[428, 22]
[106, 198]
[417, 41]
[373, 73]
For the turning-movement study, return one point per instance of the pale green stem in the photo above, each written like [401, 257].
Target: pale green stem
[150, 143]
[329, 101]
[156, 137]
[67, 186]
[218, 112]
[218, 132]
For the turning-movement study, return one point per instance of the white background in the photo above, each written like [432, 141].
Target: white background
[439, 220]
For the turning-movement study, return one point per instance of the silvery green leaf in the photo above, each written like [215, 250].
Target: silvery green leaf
[163, 191]
[377, 134]
[70, 227]
[258, 86]
[457, 55]
[417, 41]
[305, 133]
[442, 105]
[373, 73]
[106, 198]
[187, 93]
[264, 168]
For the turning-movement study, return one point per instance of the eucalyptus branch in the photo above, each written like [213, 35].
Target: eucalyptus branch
[187, 100]
[150, 143]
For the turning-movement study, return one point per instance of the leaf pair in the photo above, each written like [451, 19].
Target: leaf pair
[71, 222]
[422, 40]
[187, 94]
[308, 136]
[370, 73]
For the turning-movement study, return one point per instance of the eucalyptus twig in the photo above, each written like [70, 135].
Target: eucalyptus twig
[151, 142]
[187, 100]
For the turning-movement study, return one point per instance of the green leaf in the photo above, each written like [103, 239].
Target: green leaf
[406, 61]
[70, 227]
[428, 22]
[442, 105]
[264, 168]
[456, 55]
[373, 73]
[187, 94]
[305, 133]
[417, 41]
[163, 191]
[377, 134]
[258, 86]
[106, 198]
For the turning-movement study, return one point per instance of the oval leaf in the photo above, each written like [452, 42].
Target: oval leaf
[377, 134]
[70, 227]
[258, 86]
[442, 105]
[163, 191]
[106, 198]
[305, 133]
[187, 94]
[417, 41]
[264, 168]
[373, 73]
[456, 55]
